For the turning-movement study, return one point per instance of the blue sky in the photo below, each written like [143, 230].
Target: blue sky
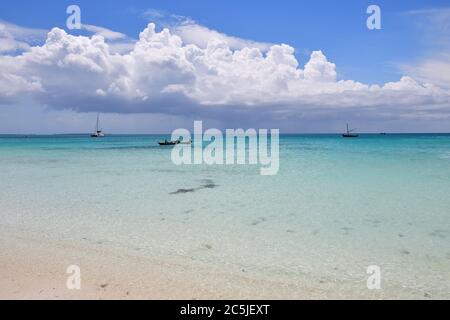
[337, 28]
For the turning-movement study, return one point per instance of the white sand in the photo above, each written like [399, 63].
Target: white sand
[35, 269]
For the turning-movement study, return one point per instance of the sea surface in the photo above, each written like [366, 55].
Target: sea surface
[336, 207]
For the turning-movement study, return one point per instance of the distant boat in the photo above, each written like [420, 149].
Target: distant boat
[168, 143]
[98, 132]
[349, 133]
[173, 143]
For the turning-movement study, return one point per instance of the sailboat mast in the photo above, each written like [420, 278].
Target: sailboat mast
[348, 132]
[98, 119]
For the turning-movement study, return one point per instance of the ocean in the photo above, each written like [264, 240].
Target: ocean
[336, 206]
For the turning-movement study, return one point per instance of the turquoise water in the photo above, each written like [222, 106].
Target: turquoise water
[336, 206]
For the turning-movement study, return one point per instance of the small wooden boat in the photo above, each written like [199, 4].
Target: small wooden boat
[168, 143]
[349, 133]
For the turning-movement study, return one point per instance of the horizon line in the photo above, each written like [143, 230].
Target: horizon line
[155, 134]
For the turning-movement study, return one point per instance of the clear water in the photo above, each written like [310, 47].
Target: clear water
[336, 207]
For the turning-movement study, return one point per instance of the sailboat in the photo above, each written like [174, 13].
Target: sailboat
[98, 132]
[349, 133]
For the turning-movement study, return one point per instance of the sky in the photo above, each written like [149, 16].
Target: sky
[154, 66]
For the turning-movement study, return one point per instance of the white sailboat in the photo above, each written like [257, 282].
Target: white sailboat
[98, 132]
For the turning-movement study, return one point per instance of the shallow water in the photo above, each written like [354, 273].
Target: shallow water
[336, 206]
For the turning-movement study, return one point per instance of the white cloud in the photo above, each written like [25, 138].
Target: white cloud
[192, 32]
[104, 32]
[117, 42]
[16, 38]
[435, 70]
[199, 35]
[163, 74]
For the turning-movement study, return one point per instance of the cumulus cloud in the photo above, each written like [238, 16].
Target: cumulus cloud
[164, 74]
[199, 35]
[117, 42]
[192, 32]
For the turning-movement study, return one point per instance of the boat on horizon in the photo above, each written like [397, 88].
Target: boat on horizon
[169, 143]
[349, 133]
[98, 132]
[173, 143]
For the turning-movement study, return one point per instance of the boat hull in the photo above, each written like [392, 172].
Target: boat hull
[168, 143]
[350, 135]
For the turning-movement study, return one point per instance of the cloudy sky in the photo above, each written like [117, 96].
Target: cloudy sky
[301, 66]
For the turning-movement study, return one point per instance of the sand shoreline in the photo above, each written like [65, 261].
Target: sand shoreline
[36, 269]
[39, 273]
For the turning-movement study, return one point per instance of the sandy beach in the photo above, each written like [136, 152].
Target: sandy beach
[35, 269]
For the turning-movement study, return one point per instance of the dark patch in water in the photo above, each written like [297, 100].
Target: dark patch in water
[374, 222]
[290, 231]
[401, 235]
[442, 234]
[258, 221]
[346, 230]
[207, 246]
[207, 184]
[182, 191]
[405, 252]
[316, 232]
[189, 211]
